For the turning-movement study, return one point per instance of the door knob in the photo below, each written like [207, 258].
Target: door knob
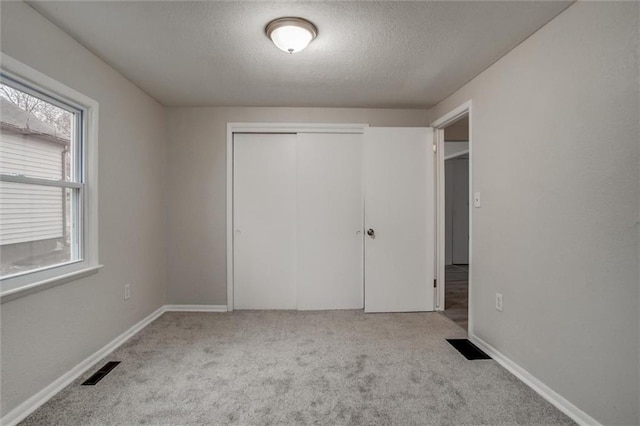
[371, 233]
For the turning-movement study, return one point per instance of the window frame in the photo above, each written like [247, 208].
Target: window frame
[86, 179]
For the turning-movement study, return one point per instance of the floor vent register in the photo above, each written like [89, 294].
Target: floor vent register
[468, 349]
[99, 375]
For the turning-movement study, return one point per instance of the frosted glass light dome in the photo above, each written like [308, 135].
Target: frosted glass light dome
[291, 34]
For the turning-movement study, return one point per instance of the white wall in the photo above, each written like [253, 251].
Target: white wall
[47, 333]
[196, 187]
[557, 233]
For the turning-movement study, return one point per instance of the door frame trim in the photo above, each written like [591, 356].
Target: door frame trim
[232, 128]
[438, 125]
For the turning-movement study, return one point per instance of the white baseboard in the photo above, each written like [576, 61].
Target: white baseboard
[195, 308]
[20, 412]
[534, 383]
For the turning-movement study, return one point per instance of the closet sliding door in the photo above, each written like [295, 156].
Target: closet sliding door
[330, 221]
[298, 221]
[264, 221]
[299, 204]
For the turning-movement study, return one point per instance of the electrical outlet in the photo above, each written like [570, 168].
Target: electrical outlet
[498, 302]
[127, 291]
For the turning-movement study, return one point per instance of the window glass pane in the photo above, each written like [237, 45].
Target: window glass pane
[36, 136]
[37, 226]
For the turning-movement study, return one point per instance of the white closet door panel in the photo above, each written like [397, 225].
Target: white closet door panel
[330, 242]
[399, 207]
[264, 216]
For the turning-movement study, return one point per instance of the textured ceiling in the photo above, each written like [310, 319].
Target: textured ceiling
[367, 54]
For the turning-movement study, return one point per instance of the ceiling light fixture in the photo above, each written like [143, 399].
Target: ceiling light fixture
[291, 34]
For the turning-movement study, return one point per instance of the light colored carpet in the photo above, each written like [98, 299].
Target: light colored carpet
[289, 368]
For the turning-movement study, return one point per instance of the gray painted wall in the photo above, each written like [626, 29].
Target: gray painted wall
[456, 211]
[448, 212]
[196, 187]
[557, 233]
[45, 334]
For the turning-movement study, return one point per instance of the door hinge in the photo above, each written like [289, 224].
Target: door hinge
[435, 148]
[435, 282]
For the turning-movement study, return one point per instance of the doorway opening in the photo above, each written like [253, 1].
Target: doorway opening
[456, 171]
[454, 215]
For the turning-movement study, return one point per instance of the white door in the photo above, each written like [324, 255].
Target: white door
[399, 211]
[264, 221]
[330, 242]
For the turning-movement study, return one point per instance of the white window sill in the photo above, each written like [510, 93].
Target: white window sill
[25, 290]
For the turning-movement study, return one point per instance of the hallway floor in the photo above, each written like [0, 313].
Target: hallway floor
[457, 294]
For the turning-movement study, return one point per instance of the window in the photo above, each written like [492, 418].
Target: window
[46, 232]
